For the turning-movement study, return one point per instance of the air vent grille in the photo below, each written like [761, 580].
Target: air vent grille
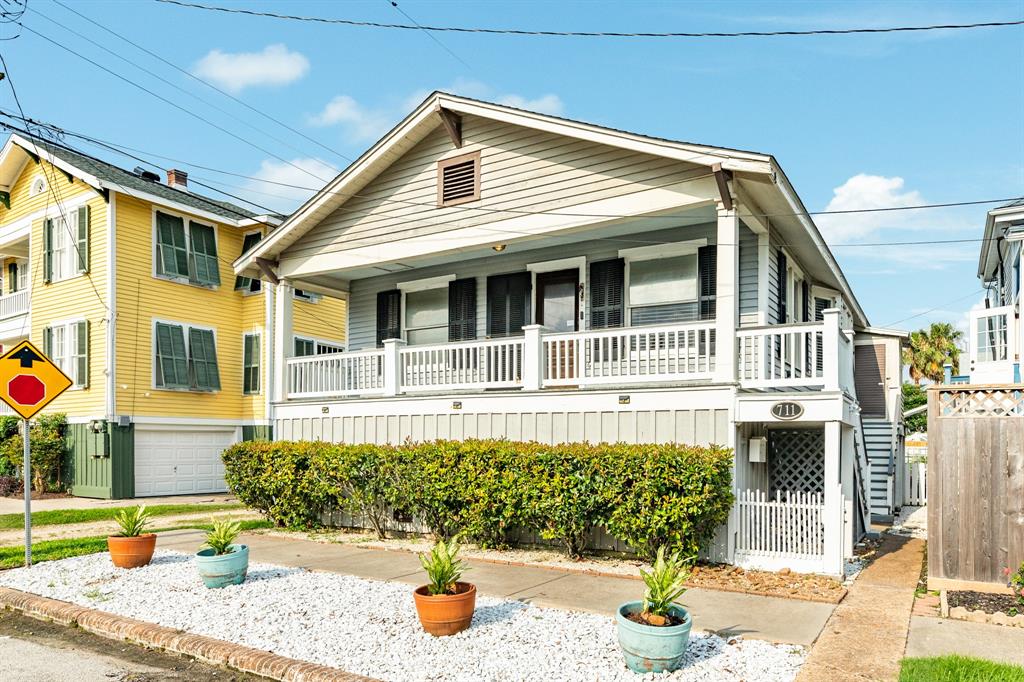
[458, 180]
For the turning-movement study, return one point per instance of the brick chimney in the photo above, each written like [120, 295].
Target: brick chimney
[177, 179]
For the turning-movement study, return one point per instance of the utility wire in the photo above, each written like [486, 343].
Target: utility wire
[585, 34]
[429, 34]
[938, 307]
[207, 83]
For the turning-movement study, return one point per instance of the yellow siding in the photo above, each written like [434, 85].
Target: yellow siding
[143, 298]
[80, 297]
[323, 320]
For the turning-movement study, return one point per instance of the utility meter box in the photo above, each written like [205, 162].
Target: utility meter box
[757, 449]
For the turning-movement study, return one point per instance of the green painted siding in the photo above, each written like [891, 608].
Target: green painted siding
[257, 432]
[101, 464]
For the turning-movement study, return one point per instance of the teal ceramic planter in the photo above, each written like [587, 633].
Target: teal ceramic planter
[647, 648]
[224, 569]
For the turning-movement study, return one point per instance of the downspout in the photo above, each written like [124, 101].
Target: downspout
[269, 291]
[111, 401]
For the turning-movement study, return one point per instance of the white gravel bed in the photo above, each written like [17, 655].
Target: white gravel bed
[370, 627]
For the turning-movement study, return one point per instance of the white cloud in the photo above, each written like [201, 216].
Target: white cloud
[294, 177]
[361, 123]
[864, 191]
[235, 71]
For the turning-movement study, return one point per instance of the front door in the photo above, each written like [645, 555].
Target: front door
[558, 301]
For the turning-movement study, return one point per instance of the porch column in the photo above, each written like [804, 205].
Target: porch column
[533, 358]
[726, 300]
[284, 346]
[830, 349]
[393, 366]
[834, 521]
[846, 475]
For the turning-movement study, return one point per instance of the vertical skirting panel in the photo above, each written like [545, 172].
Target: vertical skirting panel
[697, 427]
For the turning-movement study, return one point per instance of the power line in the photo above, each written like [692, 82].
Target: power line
[585, 34]
[171, 103]
[938, 307]
[430, 35]
[207, 83]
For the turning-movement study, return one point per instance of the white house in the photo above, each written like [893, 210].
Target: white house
[515, 275]
[996, 335]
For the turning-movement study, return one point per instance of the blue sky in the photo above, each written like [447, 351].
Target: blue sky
[856, 121]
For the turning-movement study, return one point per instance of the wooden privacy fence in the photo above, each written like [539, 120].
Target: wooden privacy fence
[975, 485]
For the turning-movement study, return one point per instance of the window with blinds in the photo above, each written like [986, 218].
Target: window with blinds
[458, 179]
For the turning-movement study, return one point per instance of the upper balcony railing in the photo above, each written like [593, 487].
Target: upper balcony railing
[815, 355]
[14, 304]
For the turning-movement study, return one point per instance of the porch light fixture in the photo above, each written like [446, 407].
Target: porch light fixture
[457, 405]
[623, 400]
[498, 248]
[757, 449]
[325, 410]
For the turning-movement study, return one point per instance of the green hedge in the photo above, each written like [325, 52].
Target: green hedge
[644, 495]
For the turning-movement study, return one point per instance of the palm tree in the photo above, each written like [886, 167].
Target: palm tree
[930, 349]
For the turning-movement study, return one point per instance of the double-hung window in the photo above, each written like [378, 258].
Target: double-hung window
[663, 284]
[17, 275]
[251, 363]
[67, 344]
[426, 316]
[186, 358]
[186, 250]
[247, 284]
[66, 245]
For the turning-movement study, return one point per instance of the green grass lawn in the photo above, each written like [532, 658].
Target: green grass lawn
[63, 516]
[958, 669]
[51, 550]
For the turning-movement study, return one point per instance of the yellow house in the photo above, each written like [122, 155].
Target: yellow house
[126, 282]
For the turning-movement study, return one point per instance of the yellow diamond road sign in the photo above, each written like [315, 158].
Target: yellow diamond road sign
[29, 381]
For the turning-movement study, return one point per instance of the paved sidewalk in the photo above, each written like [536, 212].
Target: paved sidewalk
[942, 636]
[769, 618]
[16, 505]
[866, 636]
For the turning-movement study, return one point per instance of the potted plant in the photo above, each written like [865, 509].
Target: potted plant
[445, 605]
[133, 546]
[655, 632]
[222, 562]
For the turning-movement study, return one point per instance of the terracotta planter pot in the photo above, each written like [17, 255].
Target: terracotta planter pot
[446, 614]
[131, 552]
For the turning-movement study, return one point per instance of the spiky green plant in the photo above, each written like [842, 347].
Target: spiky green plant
[665, 582]
[222, 536]
[133, 521]
[443, 567]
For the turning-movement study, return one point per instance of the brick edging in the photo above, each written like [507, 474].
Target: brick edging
[206, 649]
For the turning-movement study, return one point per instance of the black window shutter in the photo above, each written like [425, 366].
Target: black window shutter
[780, 277]
[389, 315]
[508, 300]
[820, 306]
[707, 265]
[462, 310]
[607, 280]
[806, 291]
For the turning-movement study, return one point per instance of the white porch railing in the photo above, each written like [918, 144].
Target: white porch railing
[915, 483]
[620, 355]
[785, 532]
[795, 355]
[14, 304]
[496, 363]
[336, 374]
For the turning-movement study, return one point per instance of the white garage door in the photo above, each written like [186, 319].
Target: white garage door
[180, 461]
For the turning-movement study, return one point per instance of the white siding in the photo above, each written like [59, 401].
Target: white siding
[748, 271]
[521, 169]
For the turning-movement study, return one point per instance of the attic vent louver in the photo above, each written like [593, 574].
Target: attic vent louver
[458, 179]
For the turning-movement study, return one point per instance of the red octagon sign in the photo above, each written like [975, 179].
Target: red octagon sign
[26, 389]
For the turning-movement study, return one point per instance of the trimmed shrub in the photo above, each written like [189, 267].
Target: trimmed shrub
[645, 495]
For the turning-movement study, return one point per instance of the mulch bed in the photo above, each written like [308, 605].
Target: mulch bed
[985, 601]
[780, 584]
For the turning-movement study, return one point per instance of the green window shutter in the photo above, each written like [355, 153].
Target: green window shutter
[47, 341]
[245, 283]
[171, 358]
[82, 368]
[251, 364]
[83, 238]
[203, 360]
[205, 268]
[12, 277]
[48, 250]
[172, 250]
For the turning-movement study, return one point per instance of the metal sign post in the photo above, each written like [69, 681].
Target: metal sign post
[26, 474]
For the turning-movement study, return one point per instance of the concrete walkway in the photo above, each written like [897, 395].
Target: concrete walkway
[866, 635]
[942, 636]
[16, 505]
[769, 618]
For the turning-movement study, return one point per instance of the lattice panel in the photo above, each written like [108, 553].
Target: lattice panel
[1003, 401]
[797, 460]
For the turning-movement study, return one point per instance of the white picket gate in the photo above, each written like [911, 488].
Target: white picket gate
[915, 483]
[785, 532]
